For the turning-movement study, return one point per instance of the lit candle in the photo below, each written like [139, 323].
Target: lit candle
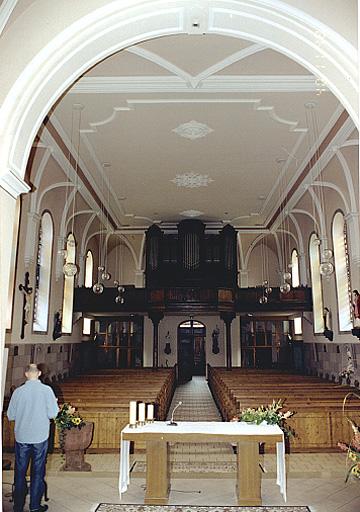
[141, 413]
[132, 419]
[150, 412]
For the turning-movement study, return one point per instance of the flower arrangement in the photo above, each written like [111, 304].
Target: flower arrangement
[353, 453]
[353, 448]
[272, 414]
[68, 418]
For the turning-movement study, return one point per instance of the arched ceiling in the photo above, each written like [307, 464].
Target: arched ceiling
[194, 126]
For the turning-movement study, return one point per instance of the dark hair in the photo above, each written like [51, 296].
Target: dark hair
[356, 291]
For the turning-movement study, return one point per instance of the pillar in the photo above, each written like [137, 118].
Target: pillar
[156, 317]
[228, 317]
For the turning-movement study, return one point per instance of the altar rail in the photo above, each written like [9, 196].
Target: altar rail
[103, 398]
[319, 422]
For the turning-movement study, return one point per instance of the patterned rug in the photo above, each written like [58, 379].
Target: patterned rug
[191, 467]
[108, 507]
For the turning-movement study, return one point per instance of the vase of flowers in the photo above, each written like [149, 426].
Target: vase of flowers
[271, 414]
[75, 437]
[353, 448]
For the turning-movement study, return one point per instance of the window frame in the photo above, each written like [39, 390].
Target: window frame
[34, 329]
[336, 272]
[318, 321]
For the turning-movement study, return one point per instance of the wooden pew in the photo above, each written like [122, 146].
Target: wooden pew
[319, 422]
[103, 397]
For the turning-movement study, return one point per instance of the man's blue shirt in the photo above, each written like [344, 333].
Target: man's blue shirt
[32, 406]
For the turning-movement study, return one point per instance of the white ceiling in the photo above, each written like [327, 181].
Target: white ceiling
[251, 100]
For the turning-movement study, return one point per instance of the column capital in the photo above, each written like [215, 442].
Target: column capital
[227, 316]
[13, 184]
[155, 316]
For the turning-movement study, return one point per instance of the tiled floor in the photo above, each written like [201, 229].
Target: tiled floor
[316, 480]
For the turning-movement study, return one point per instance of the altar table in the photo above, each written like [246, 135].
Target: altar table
[159, 434]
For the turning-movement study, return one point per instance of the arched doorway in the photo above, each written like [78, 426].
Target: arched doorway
[191, 349]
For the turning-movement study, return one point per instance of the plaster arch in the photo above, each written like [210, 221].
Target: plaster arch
[62, 55]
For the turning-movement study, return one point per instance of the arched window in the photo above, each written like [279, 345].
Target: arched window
[318, 306]
[89, 266]
[295, 281]
[341, 272]
[295, 272]
[43, 274]
[68, 299]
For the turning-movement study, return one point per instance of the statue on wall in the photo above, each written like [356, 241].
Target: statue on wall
[215, 340]
[167, 348]
[328, 332]
[57, 326]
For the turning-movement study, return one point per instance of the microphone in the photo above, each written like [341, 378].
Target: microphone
[172, 422]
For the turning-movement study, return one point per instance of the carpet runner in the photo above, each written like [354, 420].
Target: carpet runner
[108, 507]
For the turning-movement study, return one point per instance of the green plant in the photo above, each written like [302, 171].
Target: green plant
[272, 414]
[67, 419]
[353, 448]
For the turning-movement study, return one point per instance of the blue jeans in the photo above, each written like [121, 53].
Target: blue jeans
[23, 453]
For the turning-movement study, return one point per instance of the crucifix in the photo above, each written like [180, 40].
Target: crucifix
[26, 290]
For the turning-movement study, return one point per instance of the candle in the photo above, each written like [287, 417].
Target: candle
[132, 419]
[150, 412]
[141, 412]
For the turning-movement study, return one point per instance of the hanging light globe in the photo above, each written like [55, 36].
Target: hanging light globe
[101, 268]
[70, 269]
[268, 290]
[327, 254]
[265, 282]
[261, 300]
[116, 282]
[98, 288]
[287, 276]
[290, 265]
[316, 241]
[326, 269]
[121, 289]
[119, 300]
[285, 288]
[105, 276]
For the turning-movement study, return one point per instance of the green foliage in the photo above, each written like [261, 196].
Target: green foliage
[272, 414]
[68, 418]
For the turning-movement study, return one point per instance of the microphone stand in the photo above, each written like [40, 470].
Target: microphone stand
[172, 422]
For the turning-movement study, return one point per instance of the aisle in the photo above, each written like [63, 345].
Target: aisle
[198, 405]
[210, 459]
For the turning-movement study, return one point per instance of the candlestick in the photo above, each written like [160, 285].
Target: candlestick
[141, 413]
[132, 418]
[150, 412]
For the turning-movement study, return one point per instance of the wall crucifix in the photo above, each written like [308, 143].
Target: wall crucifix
[26, 290]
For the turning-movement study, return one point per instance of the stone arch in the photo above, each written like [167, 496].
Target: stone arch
[101, 32]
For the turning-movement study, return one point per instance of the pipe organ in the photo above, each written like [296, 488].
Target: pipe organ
[191, 257]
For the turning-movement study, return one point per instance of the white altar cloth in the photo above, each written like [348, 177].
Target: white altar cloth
[227, 429]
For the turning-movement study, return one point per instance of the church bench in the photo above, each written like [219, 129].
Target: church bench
[319, 422]
[103, 398]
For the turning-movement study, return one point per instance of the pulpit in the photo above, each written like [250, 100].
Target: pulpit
[158, 435]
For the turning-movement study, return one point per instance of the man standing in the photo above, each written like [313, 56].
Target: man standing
[31, 406]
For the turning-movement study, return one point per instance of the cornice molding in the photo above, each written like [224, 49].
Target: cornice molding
[6, 10]
[11, 182]
[177, 84]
